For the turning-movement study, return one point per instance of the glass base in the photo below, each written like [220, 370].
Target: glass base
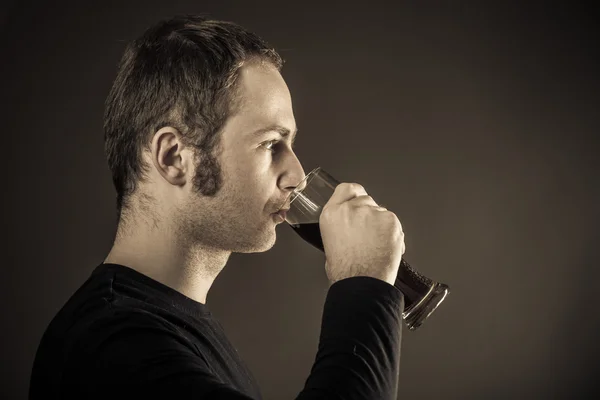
[416, 315]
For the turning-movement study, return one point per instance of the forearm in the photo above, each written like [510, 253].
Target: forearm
[359, 347]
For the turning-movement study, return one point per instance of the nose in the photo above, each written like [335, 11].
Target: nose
[292, 175]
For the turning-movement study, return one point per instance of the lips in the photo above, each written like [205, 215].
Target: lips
[283, 213]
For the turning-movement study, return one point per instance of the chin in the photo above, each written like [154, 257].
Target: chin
[262, 244]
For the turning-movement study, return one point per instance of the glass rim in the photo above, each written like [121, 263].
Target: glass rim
[292, 196]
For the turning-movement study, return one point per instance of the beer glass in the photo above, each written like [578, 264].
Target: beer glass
[421, 295]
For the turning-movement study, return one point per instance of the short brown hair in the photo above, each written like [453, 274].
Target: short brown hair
[181, 72]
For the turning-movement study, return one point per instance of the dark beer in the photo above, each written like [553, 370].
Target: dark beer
[413, 285]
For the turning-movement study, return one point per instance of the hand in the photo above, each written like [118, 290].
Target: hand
[360, 238]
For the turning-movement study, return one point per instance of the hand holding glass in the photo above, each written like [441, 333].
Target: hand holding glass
[421, 295]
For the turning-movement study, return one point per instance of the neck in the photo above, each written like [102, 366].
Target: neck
[161, 254]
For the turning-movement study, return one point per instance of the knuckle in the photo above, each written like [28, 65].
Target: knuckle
[324, 213]
[355, 187]
[397, 226]
[367, 198]
[324, 217]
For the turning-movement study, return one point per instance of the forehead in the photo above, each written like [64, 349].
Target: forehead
[264, 98]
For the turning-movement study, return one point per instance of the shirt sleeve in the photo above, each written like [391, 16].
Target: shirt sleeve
[359, 346]
[135, 355]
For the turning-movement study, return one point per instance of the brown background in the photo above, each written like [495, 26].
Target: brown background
[476, 123]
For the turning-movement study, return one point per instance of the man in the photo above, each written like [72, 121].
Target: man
[199, 130]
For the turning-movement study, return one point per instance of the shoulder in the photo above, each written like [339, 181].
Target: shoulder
[117, 327]
[132, 347]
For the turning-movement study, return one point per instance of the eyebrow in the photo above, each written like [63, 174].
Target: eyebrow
[283, 132]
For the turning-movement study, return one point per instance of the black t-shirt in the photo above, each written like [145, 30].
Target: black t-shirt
[125, 335]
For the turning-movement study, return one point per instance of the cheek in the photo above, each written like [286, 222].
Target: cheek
[246, 178]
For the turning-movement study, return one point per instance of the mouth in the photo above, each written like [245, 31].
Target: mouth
[282, 213]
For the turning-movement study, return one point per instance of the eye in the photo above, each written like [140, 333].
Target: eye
[269, 145]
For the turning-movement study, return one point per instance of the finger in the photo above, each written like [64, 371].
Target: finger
[346, 191]
[364, 200]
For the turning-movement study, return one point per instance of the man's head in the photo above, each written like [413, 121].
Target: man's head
[180, 134]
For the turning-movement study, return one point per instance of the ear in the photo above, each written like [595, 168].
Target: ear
[169, 156]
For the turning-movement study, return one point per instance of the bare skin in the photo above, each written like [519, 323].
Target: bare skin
[192, 236]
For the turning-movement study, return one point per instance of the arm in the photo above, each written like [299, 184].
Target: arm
[359, 347]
